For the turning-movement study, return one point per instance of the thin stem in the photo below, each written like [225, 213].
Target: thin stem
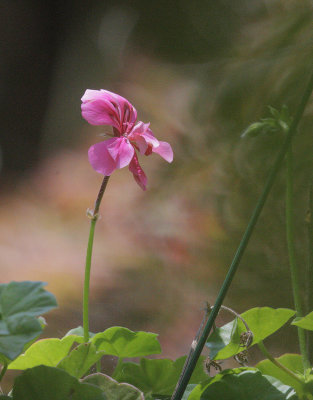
[309, 275]
[244, 242]
[3, 371]
[118, 367]
[268, 355]
[98, 366]
[294, 270]
[93, 220]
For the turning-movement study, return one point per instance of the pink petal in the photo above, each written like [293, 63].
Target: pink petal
[100, 158]
[100, 112]
[165, 151]
[101, 107]
[143, 137]
[121, 151]
[138, 173]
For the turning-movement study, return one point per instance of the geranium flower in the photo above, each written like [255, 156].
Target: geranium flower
[101, 107]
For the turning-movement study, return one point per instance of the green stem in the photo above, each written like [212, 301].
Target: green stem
[181, 387]
[93, 220]
[294, 270]
[309, 274]
[98, 365]
[118, 367]
[3, 371]
[277, 363]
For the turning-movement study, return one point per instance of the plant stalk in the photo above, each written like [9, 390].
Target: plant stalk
[184, 379]
[294, 270]
[93, 215]
[309, 274]
[268, 355]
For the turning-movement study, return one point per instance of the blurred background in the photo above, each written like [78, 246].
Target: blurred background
[200, 71]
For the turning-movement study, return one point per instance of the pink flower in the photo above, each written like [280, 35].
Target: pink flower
[101, 107]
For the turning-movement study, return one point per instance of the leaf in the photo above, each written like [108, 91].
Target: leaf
[292, 362]
[305, 322]
[79, 361]
[49, 383]
[124, 343]
[247, 385]
[20, 304]
[224, 342]
[79, 331]
[159, 376]
[188, 390]
[47, 352]
[114, 390]
[253, 130]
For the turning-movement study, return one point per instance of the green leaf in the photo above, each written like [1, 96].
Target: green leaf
[255, 129]
[188, 390]
[114, 390]
[292, 362]
[20, 304]
[124, 343]
[305, 322]
[48, 383]
[47, 352]
[79, 331]
[158, 377]
[247, 385]
[224, 342]
[79, 361]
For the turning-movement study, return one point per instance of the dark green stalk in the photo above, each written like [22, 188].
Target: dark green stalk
[294, 270]
[309, 274]
[243, 244]
[93, 219]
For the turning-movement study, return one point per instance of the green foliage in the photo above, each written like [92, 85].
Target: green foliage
[245, 385]
[114, 390]
[305, 322]
[80, 360]
[279, 121]
[20, 305]
[49, 383]
[292, 361]
[124, 343]
[47, 352]
[79, 332]
[224, 342]
[157, 377]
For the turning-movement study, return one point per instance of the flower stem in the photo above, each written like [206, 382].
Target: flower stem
[268, 355]
[93, 219]
[177, 395]
[294, 270]
[309, 274]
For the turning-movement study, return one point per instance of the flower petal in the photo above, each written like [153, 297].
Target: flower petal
[165, 151]
[121, 151]
[143, 137]
[138, 173]
[101, 107]
[100, 158]
[100, 112]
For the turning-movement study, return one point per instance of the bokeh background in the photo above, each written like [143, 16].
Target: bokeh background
[200, 71]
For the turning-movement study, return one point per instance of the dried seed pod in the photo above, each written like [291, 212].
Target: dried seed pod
[242, 358]
[208, 363]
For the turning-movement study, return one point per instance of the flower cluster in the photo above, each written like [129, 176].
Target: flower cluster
[101, 107]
